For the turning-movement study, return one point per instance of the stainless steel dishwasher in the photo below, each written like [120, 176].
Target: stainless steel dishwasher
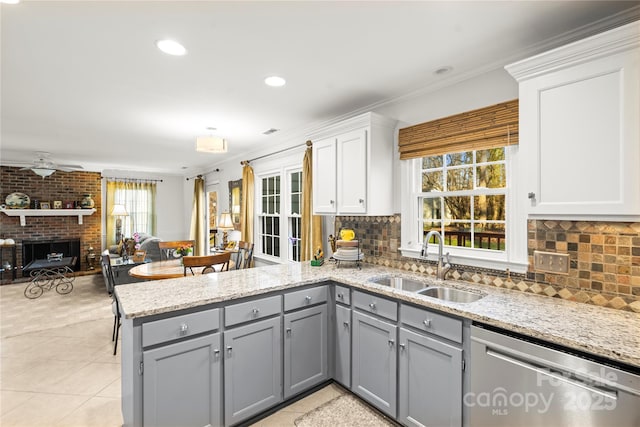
[514, 382]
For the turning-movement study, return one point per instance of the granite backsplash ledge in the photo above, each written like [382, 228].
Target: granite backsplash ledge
[604, 259]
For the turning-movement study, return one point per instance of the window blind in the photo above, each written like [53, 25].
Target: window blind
[484, 128]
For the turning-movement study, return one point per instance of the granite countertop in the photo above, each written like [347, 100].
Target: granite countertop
[613, 334]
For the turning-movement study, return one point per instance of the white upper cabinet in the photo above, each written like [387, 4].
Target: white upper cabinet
[353, 167]
[580, 127]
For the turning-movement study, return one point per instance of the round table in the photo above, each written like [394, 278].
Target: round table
[171, 269]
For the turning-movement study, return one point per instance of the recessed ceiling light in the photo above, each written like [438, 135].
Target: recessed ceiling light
[275, 81]
[443, 70]
[171, 47]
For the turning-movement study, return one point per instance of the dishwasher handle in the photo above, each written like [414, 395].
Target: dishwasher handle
[611, 394]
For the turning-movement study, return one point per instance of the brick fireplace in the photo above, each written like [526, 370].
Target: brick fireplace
[63, 186]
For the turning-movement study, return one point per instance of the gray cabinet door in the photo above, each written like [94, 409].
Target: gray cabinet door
[305, 349]
[182, 382]
[252, 369]
[430, 381]
[342, 336]
[374, 362]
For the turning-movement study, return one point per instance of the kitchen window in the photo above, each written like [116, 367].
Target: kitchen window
[463, 196]
[279, 220]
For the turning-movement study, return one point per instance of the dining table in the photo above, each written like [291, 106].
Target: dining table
[168, 269]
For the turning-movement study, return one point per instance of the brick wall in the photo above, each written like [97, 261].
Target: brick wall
[61, 186]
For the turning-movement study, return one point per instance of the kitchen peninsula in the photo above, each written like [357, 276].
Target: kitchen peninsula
[215, 312]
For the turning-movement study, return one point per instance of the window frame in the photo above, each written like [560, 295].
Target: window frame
[514, 255]
[285, 211]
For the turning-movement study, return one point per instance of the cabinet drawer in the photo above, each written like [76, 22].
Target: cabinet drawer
[343, 295]
[252, 310]
[305, 297]
[434, 323]
[176, 327]
[376, 305]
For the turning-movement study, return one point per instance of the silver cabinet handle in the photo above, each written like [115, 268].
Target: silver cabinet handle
[391, 343]
[307, 299]
[184, 328]
[255, 312]
[401, 347]
[531, 195]
[229, 348]
[346, 324]
[427, 323]
[288, 331]
[372, 306]
[216, 353]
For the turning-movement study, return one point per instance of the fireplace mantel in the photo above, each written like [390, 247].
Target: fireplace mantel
[24, 213]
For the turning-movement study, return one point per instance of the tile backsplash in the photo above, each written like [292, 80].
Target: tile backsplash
[604, 259]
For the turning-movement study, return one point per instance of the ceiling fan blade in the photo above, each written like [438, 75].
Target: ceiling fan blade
[61, 167]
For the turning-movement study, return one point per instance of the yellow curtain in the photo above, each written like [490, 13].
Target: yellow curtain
[246, 207]
[311, 233]
[199, 231]
[139, 199]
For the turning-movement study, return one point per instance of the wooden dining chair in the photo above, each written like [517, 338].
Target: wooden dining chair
[207, 262]
[244, 256]
[168, 248]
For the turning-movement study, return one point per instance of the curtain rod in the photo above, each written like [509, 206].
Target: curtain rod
[114, 178]
[202, 174]
[246, 162]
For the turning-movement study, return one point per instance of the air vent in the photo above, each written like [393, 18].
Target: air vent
[270, 131]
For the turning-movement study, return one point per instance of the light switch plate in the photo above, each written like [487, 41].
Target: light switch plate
[551, 262]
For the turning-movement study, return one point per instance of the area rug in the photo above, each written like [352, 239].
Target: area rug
[345, 410]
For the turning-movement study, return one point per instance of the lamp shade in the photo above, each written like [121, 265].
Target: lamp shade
[225, 221]
[43, 172]
[119, 210]
[211, 144]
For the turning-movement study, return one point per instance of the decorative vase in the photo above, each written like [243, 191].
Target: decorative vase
[87, 202]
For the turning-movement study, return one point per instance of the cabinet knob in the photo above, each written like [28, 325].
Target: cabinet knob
[531, 195]
[216, 353]
[229, 348]
[372, 306]
[346, 324]
[288, 331]
[391, 343]
[361, 201]
[184, 328]
[340, 296]
[307, 299]
[255, 312]
[331, 201]
[401, 347]
[427, 323]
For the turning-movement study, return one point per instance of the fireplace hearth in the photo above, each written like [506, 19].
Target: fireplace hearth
[39, 249]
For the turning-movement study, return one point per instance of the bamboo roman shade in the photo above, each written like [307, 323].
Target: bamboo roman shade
[489, 127]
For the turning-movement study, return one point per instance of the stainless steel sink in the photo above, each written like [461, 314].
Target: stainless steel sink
[398, 282]
[450, 294]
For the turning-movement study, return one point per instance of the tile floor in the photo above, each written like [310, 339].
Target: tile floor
[57, 366]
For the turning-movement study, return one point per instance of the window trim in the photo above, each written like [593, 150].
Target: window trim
[513, 257]
[284, 214]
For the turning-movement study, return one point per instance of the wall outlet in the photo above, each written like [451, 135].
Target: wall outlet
[551, 262]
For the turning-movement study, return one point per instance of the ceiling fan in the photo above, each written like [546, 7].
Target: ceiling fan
[44, 166]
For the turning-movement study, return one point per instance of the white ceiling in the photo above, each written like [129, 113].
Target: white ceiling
[85, 82]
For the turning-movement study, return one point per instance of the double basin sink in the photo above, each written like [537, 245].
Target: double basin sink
[438, 292]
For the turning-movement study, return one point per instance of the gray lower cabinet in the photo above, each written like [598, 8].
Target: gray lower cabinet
[430, 381]
[252, 369]
[182, 383]
[342, 337]
[374, 362]
[305, 349]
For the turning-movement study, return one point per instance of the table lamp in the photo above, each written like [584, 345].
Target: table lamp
[225, 224]
[119, 211]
